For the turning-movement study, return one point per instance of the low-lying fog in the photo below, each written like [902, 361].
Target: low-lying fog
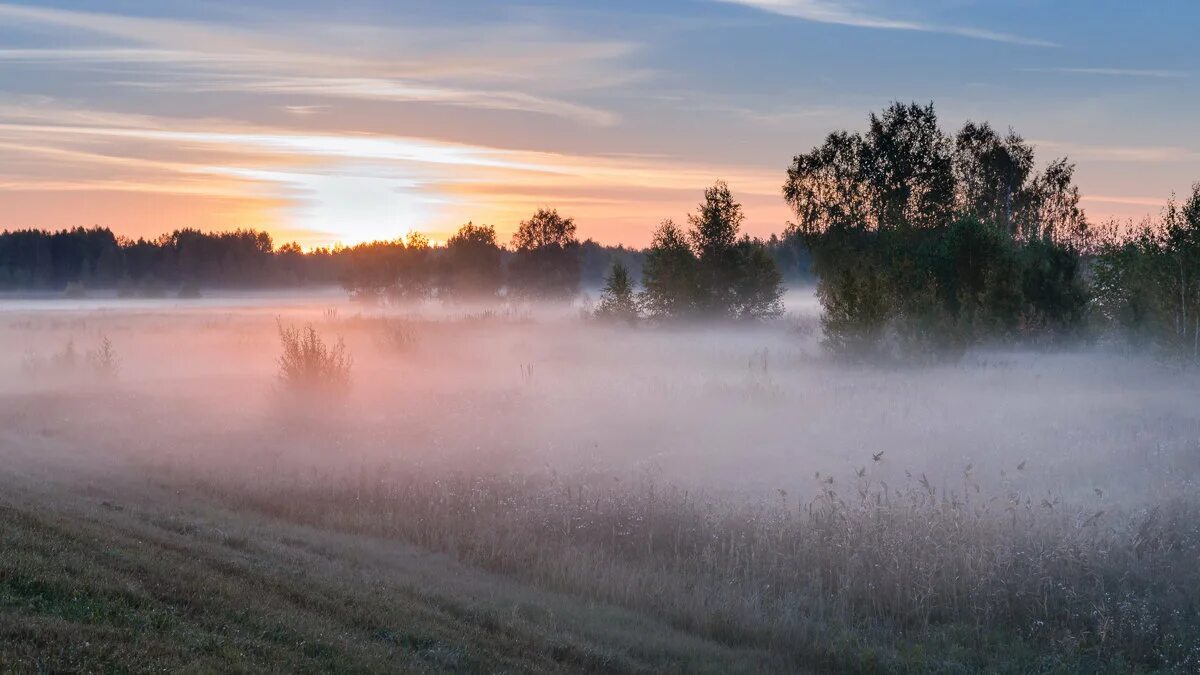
[733, 410]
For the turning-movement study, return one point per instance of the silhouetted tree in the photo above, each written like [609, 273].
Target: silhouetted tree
[758, 286]
[1055, 214]
[714, 238]
[993, 174]
[414, 273]
[924, 245]
[670, 275]
[1148, 284]
[596, 260]
[736, 277]
[546, 257]
[908, 167]
[473, 263]
[900, 174]
[617, 300]
[372, 269]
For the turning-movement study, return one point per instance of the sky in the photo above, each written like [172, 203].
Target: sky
[366, 119]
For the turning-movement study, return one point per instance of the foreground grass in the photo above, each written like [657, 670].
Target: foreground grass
[909, 579]
[99, 586]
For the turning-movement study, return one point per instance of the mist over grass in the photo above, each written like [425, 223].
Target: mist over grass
[1019, 509]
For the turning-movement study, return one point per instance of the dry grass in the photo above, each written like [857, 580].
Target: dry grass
[671, 473]
[135, 580]
[872, 576]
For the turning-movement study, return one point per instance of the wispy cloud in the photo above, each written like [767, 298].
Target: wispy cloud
[1123, 200]
[350, 186]
[199, 56]
[377, 89]
[846, 14]
[1112, 72]
[1120, 153]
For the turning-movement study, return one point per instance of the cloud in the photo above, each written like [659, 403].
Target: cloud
[1124, 201]
[1120, 153]
[352, 186]
[377, 89]
[1112, 72]
[397, 65]
[843, 14]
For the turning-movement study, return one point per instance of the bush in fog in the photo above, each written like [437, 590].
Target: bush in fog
[104, 360]
[310, 366]
[617, 300]
[66, 359]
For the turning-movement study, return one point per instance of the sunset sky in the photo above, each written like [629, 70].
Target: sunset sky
[355, 120]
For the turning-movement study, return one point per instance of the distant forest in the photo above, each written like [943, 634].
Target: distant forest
[921, 244]
[472, 262]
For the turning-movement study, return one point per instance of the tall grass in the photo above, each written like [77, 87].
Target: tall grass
[866, 577]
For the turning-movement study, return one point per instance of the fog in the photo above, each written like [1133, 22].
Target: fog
[736, 411]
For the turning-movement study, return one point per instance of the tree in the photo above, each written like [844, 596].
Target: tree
[371, 270]
[669, 275]
[414, 270]
[617, 300]
[714, 238]
[827, 189]
[758, 289]
[546, 262]
[921, 244]
[1055, 214]
[473, 263]
[992, 174]
[736, 278]
[899, 174]
[908, 167]
[1148, 284]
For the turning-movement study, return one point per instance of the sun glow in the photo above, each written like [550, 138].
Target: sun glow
[348, 205]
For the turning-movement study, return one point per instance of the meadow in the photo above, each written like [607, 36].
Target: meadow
[519, 488]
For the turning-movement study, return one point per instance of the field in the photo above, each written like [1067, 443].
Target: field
[519, 489]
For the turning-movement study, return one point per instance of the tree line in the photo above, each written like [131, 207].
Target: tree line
[700, 274]
[922, 244]
[95, 258]
[710, 271]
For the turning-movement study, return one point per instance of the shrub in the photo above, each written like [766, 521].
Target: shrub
[617, 301]
[75, 290]
[104, 360]
[309, 366]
